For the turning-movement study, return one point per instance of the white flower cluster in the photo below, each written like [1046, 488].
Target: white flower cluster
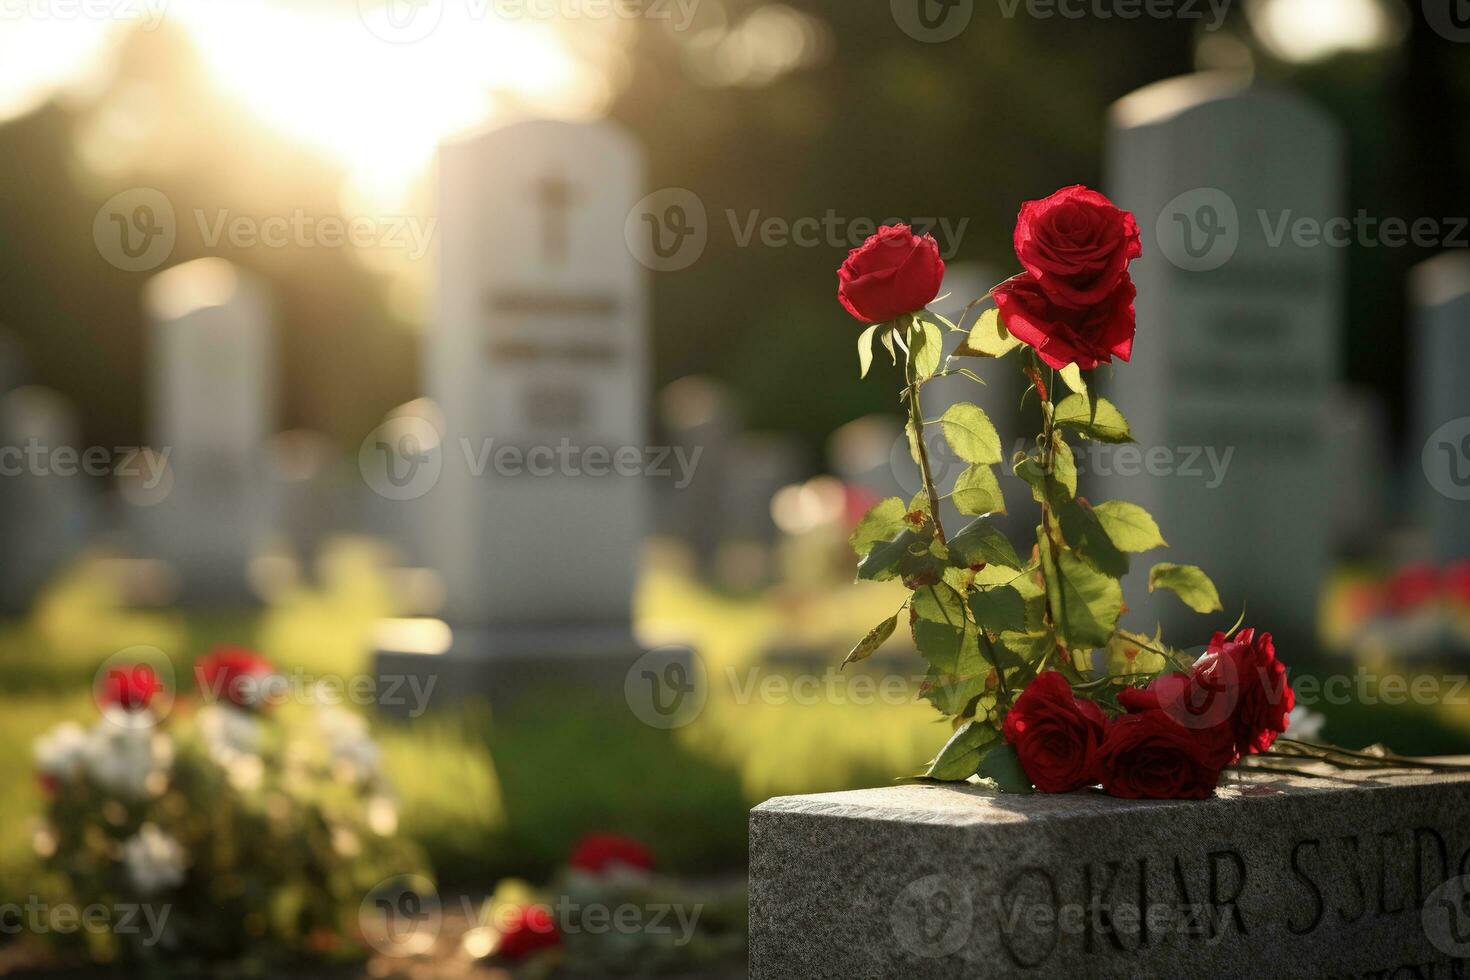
[130, 762]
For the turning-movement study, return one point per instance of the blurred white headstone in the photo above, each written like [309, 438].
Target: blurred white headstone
[45, 512]
[1439, 453]
[212, 409]
[1238, 345]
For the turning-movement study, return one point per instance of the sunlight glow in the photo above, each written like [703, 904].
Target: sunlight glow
[1311, 30]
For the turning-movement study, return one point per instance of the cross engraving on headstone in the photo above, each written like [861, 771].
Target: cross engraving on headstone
[556, 197]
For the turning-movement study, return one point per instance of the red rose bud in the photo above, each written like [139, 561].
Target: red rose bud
[894, 272]
[1076, 246]
[596, 853]
[130, 688]
[234, 674]
[1149, 755]
[1062, 335]
[526, 929]
[1055, 734]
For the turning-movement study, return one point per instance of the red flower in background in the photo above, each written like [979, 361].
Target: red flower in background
[1413, 586]
[1457, 582]
[597, 853]
[1062, 335]
[130, 688]
[894, 272]
[1076, 246]
[1149, 755]
[1055, 734]
[525, 929]
[233, 673]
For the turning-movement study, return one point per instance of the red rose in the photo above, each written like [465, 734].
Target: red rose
[1055, 734]
[130, 688]
[235, 674]
[1077, 245]
[1148, 755]
[1063, 335]
[596, 853]
[1203, 703]
[893, 273]
[524, 929]
[1262, 698]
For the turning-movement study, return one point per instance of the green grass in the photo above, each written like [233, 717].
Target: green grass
[492, 796]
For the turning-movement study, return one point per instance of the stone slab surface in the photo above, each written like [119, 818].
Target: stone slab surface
[1278, 876]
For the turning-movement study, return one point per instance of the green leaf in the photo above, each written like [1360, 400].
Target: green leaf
[865, 350]
[962, 754]
[1096, 419]
[1029, 646]
[912, 431]
[977, 491]
[1072, 377]
[951, 694]
[1003, 765]
[887, 337]
[982, 543]
[939, 604]
[999, 610]
[1128, 653]
[906, 555]
[880, 523]
[1084, 532]
[988, 337]
[1064, 465]
[926, 348]
[1129, 526]
[1090, 602]
[1189, 583]
[970, 433]
[869, 644]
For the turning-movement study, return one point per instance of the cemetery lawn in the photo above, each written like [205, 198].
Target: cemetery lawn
[487, 797]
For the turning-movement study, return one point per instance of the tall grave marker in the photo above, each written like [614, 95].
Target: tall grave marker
[211, 412]
[1440, 361]
[537, 360]
[1239, 324]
